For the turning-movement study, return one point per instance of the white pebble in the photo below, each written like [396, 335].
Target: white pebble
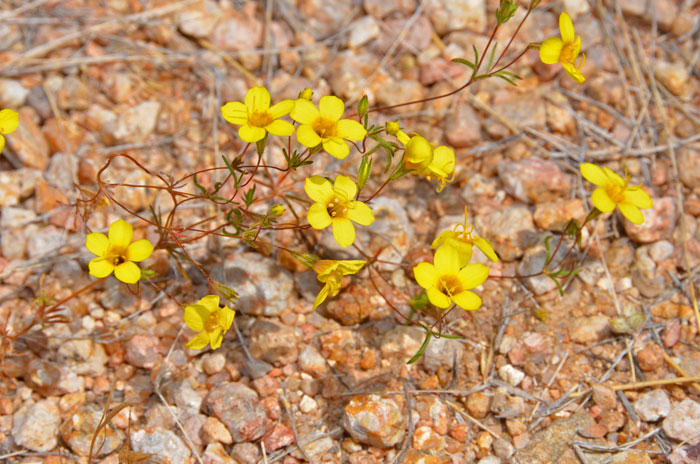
[307, 404]
[511, 375]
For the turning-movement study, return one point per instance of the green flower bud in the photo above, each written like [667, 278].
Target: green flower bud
[276, 211]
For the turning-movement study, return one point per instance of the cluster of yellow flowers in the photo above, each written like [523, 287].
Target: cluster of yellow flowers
[447, 281]
[320, 126]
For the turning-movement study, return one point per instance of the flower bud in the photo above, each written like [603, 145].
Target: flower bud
[305, 94]
[392, 128]
[276, 211]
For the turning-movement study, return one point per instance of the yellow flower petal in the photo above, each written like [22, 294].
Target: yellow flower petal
[467, 300]
[447, 260]
[440, 240]
[426, 275]
[360, 213]
[235, 113]
[307, 136]
[602, 200]
[438, 298]
[351, 130]
[464, 250]
[550, 50]
[574, 72]
[216, 337]
[226, 315]
[322, 295]
[632, 213]
[403, 137]
[198, 342]
[97, 243]
[566, 28]
[282, 108]
[304, 112]
[337, 147]
[638, 197]
[127, 272]
[2, 143]
[351, 266]
[576, 48]
[473, 275]
[593, 174]
[331, 107]
[251, 134]
[100, 267]
[139, 250]
[319, 189]
[318, 216]
[345, 187]
[9, 121]
[443, 161]
[257, 99]
[614, 177]
[343, 232]
[120, 234]
[486, 248]
[211, 302]
[280, 128]
[419, 151]
[196, 316]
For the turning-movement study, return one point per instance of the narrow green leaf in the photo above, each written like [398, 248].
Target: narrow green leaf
[421, 350]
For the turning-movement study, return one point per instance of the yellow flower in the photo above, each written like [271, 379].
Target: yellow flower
[614, 191]
[441, 167]
[463, 242]
[448, 281]
[419, 152]
[324, 126]
[564, 50]
[9, 121]
[210, 319]
[256, 117]
[335, 204]
[331, 273]
[117, 253]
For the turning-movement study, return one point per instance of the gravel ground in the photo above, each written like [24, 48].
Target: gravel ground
[600, 375]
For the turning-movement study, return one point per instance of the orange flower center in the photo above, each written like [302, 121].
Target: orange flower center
[567, 53]
[260, 119]
[325, 128]
[212, 323]
[115, 256]
[615, 192]
[450, 284]
[337, 208]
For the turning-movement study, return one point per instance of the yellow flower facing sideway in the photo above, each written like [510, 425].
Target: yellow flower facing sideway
[419, 152]
[331, 273]
[423, 158]
[256, 117]
[324, 126]
[614, 191]
[336, 205]
[565, 50]
[211, 319]
[117, 253]
[9, 122]
[441, 167]
[463, 239]
[447, 280]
